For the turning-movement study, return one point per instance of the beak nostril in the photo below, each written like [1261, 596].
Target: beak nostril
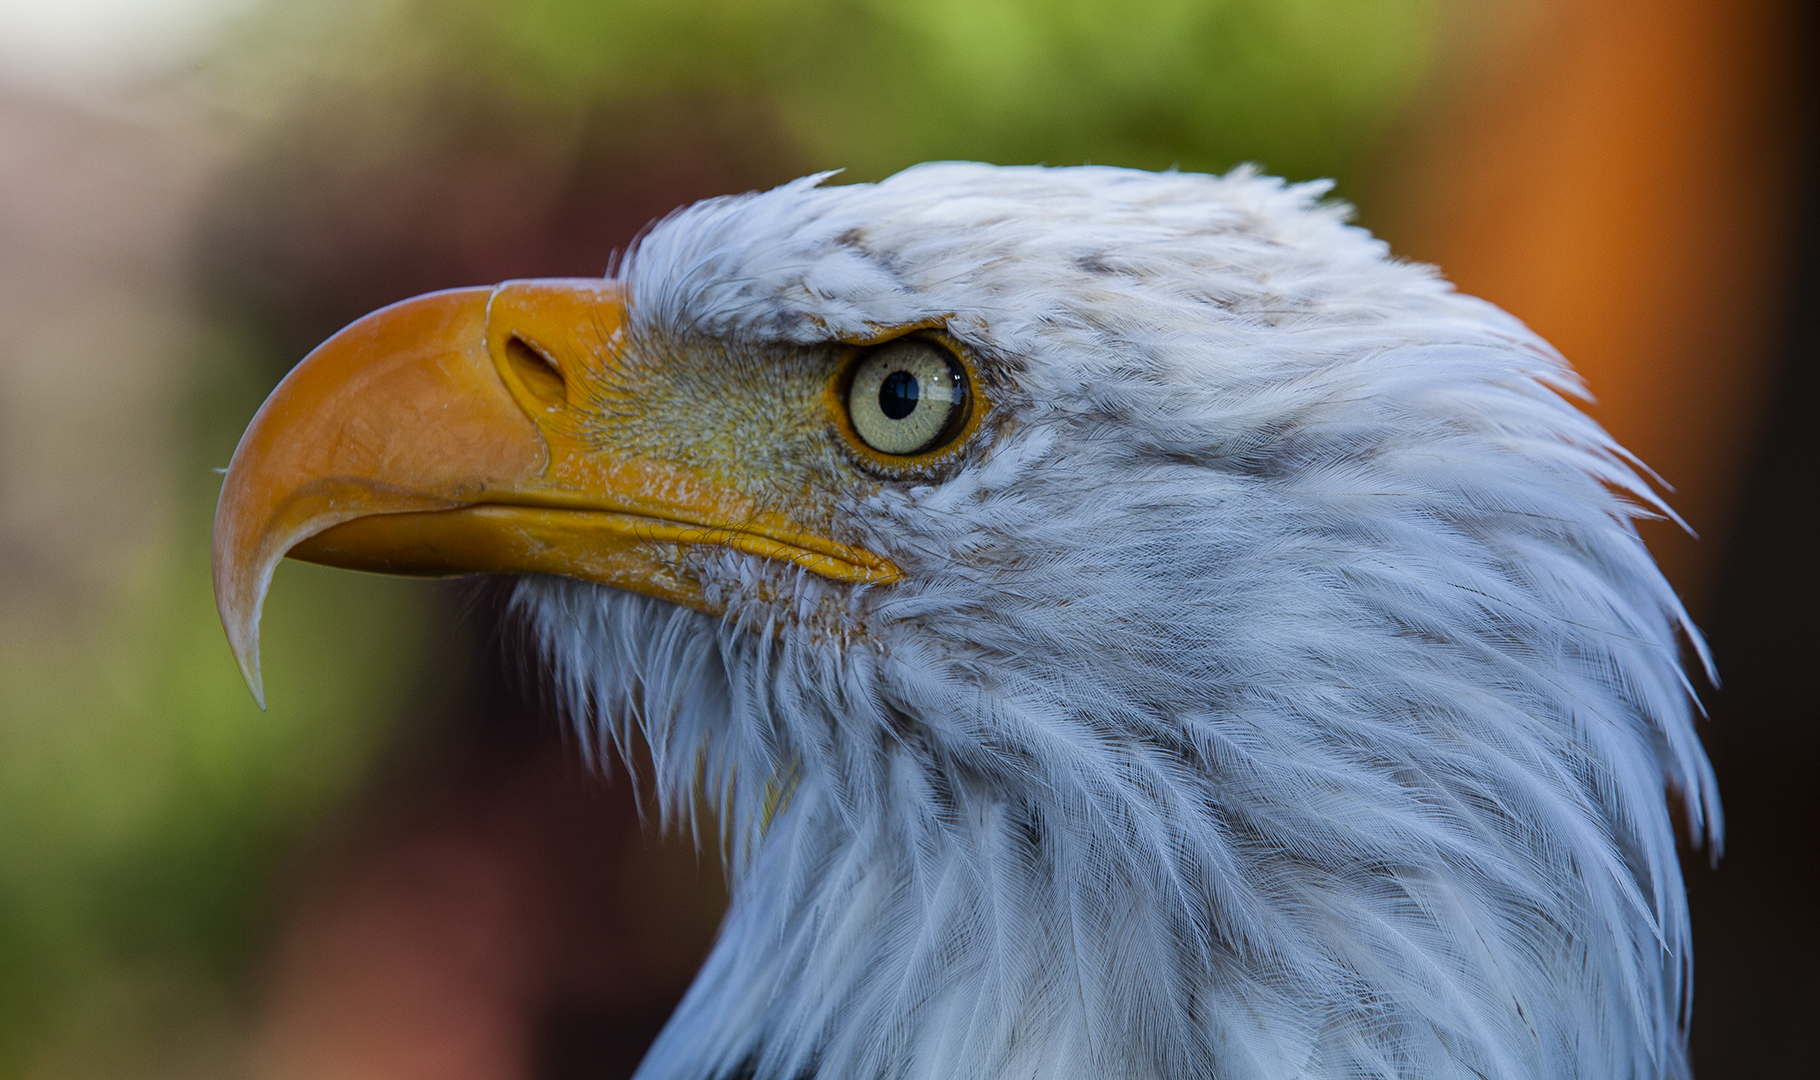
[535, 370]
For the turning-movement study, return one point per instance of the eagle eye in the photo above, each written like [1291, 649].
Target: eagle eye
[907, 397]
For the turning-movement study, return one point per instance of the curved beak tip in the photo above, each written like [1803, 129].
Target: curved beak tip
[241, 621]
[251, 673]
[248, 659]
[317, 452]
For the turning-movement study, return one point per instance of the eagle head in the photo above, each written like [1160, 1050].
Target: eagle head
[1126, 624]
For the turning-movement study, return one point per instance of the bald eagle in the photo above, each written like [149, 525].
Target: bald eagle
[1124, 624]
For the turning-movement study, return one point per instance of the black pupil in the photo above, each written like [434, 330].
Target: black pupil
[898, 394]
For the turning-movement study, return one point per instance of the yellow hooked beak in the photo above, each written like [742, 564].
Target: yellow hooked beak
[448, 435]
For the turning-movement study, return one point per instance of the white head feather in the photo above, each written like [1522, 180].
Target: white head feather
[1283, 690]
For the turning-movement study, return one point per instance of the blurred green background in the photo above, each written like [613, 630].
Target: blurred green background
[181, 226]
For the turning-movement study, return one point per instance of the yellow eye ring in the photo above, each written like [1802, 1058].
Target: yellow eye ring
[907, 404]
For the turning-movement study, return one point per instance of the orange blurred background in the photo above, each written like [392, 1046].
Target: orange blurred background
[405, 870]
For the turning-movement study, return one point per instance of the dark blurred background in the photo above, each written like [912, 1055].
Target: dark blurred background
[404, 869]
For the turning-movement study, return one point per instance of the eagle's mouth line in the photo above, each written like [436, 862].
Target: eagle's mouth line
[671, 523]
[822, 556]
[538, 520]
